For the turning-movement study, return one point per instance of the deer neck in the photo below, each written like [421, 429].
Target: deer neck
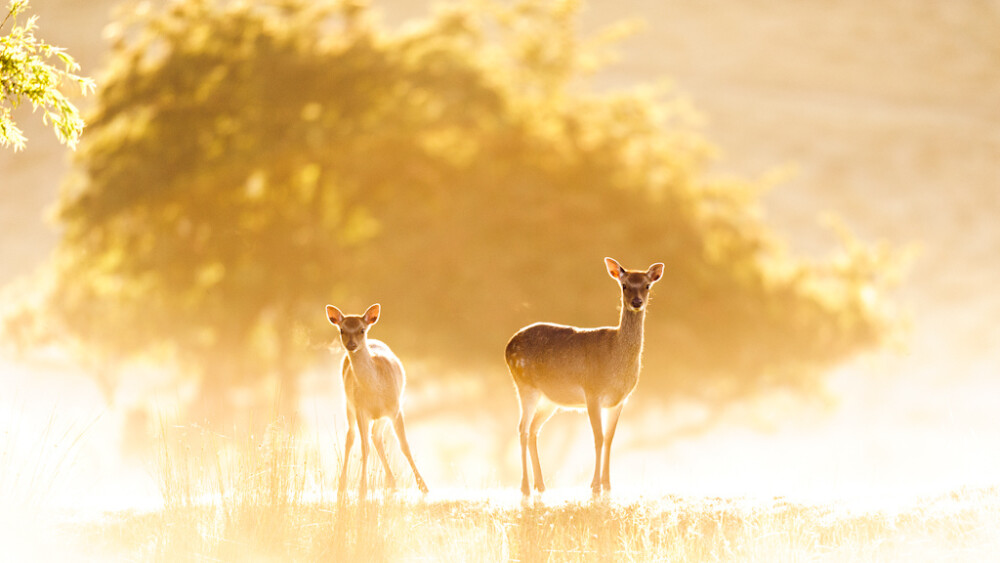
[630, 332]
[362, 362]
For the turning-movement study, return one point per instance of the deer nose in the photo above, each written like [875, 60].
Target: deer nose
[636, 302]
[351, 346]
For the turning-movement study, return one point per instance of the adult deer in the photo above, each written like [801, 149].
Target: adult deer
[557, 366]
[373, 385]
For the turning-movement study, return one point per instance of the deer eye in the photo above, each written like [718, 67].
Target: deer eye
[647, 286]
[623, 286]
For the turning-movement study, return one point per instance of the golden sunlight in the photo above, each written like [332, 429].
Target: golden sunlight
[331, 281]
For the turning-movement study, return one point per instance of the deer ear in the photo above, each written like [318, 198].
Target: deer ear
[371, 315]
[615, 269]
[334, 315]
[655, 271]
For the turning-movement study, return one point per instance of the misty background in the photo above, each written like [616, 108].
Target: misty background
[883, 115]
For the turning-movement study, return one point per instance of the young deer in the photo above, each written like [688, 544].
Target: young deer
[373, 385]
[558, 366]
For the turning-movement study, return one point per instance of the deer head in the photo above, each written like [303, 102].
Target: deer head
[635, 283]
[353, 328]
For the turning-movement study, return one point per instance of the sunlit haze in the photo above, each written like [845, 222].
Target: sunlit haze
[819, 179]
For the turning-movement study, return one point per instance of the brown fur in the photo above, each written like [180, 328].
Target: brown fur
[373, 386]
[557, 366]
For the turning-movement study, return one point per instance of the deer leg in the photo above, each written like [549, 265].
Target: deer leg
[378, 437]
[348, 442]
[542, 415]
[364, 430]
[529, 402]
[405, 446]
[609, 435]
[594, 412]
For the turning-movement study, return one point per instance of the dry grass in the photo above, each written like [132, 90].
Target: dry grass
[270, 502]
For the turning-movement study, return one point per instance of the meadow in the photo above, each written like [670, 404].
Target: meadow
[881, 113]
[959, 528]
[273, 501]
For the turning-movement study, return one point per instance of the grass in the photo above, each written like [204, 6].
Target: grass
[668, 529]
[270, 501]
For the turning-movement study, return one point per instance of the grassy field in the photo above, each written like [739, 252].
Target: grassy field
[272, 501]
[962, 527]
[887, 113]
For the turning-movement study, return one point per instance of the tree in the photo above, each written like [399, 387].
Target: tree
[249, 163]
[25, 74]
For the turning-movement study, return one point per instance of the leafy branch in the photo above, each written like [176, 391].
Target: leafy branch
[25, 73]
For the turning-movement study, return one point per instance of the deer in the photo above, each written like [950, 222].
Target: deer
[558, 367]
[373, 386]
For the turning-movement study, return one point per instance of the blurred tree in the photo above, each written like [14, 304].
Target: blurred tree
[25, 74]
[248, 163]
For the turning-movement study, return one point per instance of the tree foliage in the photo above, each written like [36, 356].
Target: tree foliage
[248, 163]
[25, 74]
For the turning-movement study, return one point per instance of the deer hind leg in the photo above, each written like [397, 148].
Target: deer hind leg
[543, 413]
[378, 437]
[594, 413]
[609, 435]
[405, 446]
[529, 402]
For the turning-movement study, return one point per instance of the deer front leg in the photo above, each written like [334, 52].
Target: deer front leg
[609, 435]
[348, 442]
[594, 412]
[364, 431]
